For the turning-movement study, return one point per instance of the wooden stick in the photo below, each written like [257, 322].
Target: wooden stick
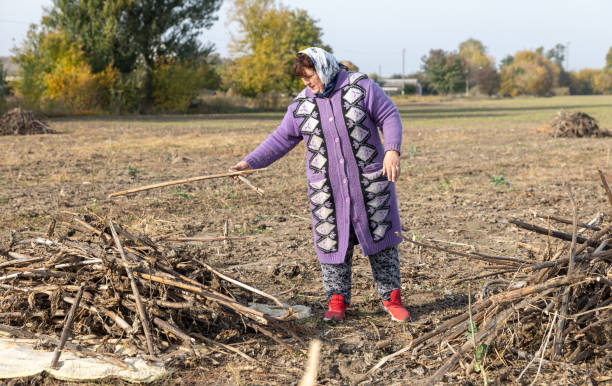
[553, 233]
[565, 221]
[480, 256]
[253, 314]
[20, 260]
[605, 185]
[183, 181]
[227, 347]
[116, 318]
[67, 328]
[458, 281]
[558, 341]
[242, 285]
[141, 312]
[312, 366]
[207, 239]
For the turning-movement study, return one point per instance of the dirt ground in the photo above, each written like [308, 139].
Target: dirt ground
[467, 167]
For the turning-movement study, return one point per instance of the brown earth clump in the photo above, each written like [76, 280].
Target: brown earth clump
[22, 122]
[576, 124]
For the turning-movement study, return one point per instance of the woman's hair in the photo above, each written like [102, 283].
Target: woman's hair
[302, 61]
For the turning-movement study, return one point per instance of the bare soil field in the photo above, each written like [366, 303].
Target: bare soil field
[468, 166]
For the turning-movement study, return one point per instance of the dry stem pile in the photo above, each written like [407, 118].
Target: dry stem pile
[576, 124]
[158, 301]
[555, 312]
[21, 122]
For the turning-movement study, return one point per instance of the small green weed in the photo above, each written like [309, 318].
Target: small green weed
[445, 185]
[499, 180]
[4, 201]
[133, 171]
[178, 192]
[412, 150]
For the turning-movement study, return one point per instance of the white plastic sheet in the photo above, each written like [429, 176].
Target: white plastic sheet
[20, 359]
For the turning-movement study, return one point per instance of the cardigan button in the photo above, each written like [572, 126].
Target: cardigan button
[354, 219]
[337, 139]
[331, 119]
[347, 200]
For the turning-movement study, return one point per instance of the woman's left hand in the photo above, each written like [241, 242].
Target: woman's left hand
[391, 165]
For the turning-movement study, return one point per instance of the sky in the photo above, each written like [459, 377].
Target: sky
[374, 34]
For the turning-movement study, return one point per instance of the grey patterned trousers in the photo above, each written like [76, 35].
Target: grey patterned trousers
[385, 268]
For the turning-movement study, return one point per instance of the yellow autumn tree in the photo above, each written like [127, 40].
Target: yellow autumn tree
[268, 37]
[528, 73]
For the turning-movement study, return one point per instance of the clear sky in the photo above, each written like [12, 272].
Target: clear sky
[372, 34]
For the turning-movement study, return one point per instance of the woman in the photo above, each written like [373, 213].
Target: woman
[350, 174]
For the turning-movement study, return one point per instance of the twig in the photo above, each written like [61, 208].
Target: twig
[141, 312]
[541, 349]
[553, 233]
[312, 366]
[253, 314]
[605, 185]
[249, 184]
[483, 276]
[570, 222]
[242, 285]
[478, 256]
[558, 343]
[183, 181]
[67, 328]
[208, 239]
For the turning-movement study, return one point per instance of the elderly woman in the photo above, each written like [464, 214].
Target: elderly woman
[350, 174]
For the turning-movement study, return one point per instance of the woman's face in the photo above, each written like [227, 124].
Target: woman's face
[312, 81]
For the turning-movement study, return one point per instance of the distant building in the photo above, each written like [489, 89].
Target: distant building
[9, 67]
[397, 86]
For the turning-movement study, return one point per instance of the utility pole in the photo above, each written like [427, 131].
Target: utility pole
[403, 62]
[567, 57]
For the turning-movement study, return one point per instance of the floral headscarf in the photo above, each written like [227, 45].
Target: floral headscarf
[326, 67]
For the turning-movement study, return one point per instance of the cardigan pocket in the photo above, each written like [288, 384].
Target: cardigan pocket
[377, 194]
[323, 210]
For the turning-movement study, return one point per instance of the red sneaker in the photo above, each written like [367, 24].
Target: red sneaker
[336, 309]
[395, 307]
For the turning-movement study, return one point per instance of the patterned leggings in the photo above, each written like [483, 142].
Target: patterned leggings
[385, 268]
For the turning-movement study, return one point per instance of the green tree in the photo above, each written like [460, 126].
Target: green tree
[94, 26]
[506, 61]
[4, 90]
[529, 73]
[129, 33]
[609, 60]
[444, 71]
[557, 54]
[268, 38]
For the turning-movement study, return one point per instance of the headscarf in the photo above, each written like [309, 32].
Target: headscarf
[326, 67]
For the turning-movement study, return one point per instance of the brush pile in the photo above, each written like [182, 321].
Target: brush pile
[576, 124]
[150, 299]
[552, 313]
[22, 122]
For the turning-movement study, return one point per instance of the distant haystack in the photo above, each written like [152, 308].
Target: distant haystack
[22, 122]
[576, 124]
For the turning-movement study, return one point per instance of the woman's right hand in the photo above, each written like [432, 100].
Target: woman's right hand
[242, 165]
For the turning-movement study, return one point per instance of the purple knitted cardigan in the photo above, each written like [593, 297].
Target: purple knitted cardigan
[344, 156]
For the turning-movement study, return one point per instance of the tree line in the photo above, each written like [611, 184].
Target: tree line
[536, 72]
[146, 56]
